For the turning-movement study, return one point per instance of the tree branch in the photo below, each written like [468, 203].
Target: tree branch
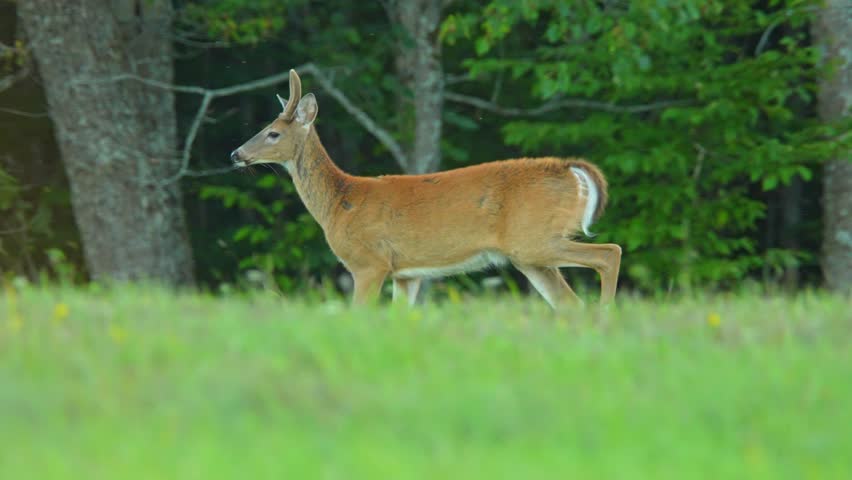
[11, 231]
[22, 113]
[185, 39]
[764, 38]
[209, 172]
[559, 104]
[452, 79]
[10, 80]
[190, 139]
[372, 127]
[208, 95]
[23, 226]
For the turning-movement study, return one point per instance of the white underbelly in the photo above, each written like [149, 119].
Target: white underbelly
[480, 261]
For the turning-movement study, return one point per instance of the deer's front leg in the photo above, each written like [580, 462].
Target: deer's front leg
[368, 285]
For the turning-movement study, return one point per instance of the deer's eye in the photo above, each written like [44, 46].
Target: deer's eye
[273, 135]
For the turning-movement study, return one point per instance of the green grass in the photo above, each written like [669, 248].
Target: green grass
[140, 383]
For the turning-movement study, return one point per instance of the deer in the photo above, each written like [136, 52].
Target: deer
[526, 212]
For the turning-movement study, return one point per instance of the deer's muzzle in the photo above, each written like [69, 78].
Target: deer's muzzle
[237, 158]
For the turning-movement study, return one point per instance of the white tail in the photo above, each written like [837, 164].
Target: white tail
[587, 187]
[523, 211]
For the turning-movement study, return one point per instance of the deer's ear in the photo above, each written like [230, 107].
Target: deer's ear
[306, 112]
[282, 101]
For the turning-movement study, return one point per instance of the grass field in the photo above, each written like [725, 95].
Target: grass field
[141, 383]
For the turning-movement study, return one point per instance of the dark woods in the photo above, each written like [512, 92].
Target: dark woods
[717, 124]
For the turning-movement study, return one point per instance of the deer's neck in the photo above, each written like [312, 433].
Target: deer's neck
[319, 182]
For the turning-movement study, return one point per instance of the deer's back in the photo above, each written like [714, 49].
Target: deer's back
[452, 216]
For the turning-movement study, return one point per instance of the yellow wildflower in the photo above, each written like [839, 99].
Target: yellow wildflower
[714, 320]
[117, 333]
[15, 322]
[453, 295]
[60, 312]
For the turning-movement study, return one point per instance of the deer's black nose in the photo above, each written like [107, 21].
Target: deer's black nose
[235, 156]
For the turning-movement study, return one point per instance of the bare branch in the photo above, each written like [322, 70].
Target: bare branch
[11, 231]
[380, 133]
[10, 80]
[186, 39]
[764, 38]
[452, 79]
[559, 104]
[145, 81]
[209, 172]
[190, 139]
[22, 113]
[264, 82]
[22, 227]
[498, 87]
[208, 95]
[699, 161]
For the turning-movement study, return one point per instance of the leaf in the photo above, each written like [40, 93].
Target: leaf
[769, 183]
[267, 181]
[243, 232]
[482, 46]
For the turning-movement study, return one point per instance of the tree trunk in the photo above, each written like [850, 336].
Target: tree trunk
[418, 65]
[117, 138]
[833, 31]
[791, 218]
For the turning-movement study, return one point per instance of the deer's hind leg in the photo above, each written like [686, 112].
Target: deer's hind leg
[405, 289]
[550, 283]
[603, 258]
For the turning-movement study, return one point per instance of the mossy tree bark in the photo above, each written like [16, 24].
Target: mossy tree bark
[118, 139]
[833, 31]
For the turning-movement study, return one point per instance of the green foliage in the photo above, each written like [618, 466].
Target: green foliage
[135, 383]
[25, 227]
[14, 57]
[695, 115]
[279, 238]
[237, 21]
[9, 190]
[700, 113]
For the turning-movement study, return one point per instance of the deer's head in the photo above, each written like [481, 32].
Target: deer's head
[282, 140]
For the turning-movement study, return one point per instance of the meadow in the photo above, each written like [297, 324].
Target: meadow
[144, 383]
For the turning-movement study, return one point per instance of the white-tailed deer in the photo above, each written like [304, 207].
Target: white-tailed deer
[524, 212]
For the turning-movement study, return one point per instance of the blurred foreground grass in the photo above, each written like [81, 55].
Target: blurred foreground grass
[142, 383]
